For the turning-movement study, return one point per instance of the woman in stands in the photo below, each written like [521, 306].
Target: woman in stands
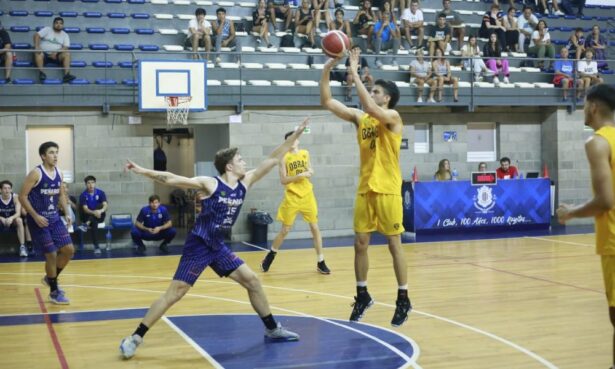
[304, 20]
[492, 51]
[493, 23]
[420, 73]
[260, 23]
[597, 42]
[340, 24]
[512, 29]
[540, 44]
[320, 6]
[472, 60]
[443, 76]
[588, 71]
[576, 43]
[364, 21]
[444, 171]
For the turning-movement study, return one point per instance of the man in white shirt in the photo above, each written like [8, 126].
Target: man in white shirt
[526, 23]
[52, 47]
[412, 22]
[588, 70]
[199, 33]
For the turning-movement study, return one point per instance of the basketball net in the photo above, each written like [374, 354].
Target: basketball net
[178, 108]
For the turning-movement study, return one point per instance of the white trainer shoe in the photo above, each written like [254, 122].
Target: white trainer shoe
[128, 346]
[280, 334]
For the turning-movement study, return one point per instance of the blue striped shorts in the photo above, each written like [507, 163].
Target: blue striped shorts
[51, 238]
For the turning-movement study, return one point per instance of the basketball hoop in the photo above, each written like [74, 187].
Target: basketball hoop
[178, 108]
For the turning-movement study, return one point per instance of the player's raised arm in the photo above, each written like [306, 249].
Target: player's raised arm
[205, 184]
[383, 114]
[274, 158]
[327, 100]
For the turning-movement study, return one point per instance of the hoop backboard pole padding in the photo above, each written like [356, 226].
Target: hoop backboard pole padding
[159, 79]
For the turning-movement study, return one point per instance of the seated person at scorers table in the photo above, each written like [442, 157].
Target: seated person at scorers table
[507, 171]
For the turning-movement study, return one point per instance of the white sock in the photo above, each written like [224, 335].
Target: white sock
[321, 257]
[404, 287]
[362, 284]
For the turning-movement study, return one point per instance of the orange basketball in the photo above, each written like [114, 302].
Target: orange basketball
[335, 44]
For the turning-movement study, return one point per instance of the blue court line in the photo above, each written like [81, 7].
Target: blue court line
[82, 316]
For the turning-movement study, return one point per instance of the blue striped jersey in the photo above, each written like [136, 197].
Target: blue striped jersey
[7, 207]
[218, 213]
[44, 197]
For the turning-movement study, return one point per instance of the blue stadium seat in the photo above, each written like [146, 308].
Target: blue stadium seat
[611, 43]
[23, 81]
[120, 30]
[587, 17]
[66, 1]
[102, 64]
[68, 14]
[75, 46]
[113, 1]
[552, 16]
[92, 14]
[149, 47]
[43, 13]
[51, 65]
[22, 63]
[78, 64]
[603, 19]
[125, 64]
[21, 46]
[560, 42]
[116, 15]
[612, 30]
[139, 16]
[570, 17]
[1, 12]
[72, 29]
[144, 31]
[95, 30]
[566, 29]
[136, 1]
[80, 81]
[89, 1]
[99, 47]
[52, 81]
[18, 13]
[106, 81]
[607, 71]
[41, 0]
[20, 28]
[123, 47]
[587, 29]
[130, 82]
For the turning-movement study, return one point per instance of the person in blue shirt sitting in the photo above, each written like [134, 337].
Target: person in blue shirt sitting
[153, 224]
[92, 209]
[386, 36]
[564, 75]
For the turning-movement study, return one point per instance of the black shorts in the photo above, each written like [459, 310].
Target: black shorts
[279, 13]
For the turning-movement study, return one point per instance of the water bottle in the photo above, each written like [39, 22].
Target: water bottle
[108, 237]
[454, 174]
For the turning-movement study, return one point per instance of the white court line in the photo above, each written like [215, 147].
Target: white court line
[253, 245]
[194, 345]
[409, 361]
[560, 241]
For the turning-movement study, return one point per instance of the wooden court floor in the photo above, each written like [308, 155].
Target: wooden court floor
[506, 303]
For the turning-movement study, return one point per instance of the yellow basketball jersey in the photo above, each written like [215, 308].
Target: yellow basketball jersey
[297, 163]
[379, 151]
[605, 223]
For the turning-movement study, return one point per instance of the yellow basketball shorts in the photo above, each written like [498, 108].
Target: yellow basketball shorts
[608, 273]
[378, 212]
[293, 204]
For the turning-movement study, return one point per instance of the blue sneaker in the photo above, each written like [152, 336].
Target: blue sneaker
[58, 298]
[45, 282]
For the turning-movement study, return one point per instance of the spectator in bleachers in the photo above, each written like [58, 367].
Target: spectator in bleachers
[444, 171]
[544, 5]
[93, 209]
[526, 23]
[492, 51]
[366, 77]
[280, 9]
[597, 42]
[440, 37]
[588, 70]
[364, 21]
[153, 224]
[564, 75]
[453, 20]
[482, 167]
[420, 73]
[386, 37]
[472, 60]
[540, 44]
[260, 23]
[340, 24]
[576, 43]
[224, 33]
[567, 6]
[304, 21]
[493, 23]
[319, 7]
[199, 33]
[512, 30]
[10, 215]
[412, 22]
[52, 46]
[506, 171]
[443, 76]
[6, 55]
